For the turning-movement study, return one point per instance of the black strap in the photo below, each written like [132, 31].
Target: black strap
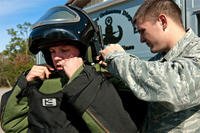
[83, 90]
[87, 96]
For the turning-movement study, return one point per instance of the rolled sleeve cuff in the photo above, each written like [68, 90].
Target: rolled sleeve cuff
[113, 55]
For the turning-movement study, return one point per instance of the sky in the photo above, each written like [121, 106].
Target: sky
[14, 12]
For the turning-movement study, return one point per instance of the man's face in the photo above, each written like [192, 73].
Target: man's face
[61, 52]
[152, 33]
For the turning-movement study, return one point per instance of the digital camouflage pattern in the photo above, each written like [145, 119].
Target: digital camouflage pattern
[170, 82]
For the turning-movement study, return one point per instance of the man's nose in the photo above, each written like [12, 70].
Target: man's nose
[57, 57]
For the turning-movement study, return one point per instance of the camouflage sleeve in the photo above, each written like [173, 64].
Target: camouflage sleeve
[175, 83]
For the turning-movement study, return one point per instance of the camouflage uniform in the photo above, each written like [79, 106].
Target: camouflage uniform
[170, 82]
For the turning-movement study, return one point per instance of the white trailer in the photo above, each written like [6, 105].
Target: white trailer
[115, 17]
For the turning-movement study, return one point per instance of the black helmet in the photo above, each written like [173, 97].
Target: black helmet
[66, 24]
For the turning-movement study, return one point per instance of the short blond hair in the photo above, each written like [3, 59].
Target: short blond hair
[151, 9]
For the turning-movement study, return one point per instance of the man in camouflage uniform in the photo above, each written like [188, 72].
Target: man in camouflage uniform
[170, 81]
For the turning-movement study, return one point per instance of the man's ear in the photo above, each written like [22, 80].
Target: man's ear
[163, 21]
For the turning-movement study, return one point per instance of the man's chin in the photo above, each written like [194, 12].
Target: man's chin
[154, 50]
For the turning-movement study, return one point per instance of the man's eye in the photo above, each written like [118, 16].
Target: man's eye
[64, 50]
[51, 51]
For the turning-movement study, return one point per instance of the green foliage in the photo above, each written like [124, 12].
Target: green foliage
[15, 58]
[19, 40]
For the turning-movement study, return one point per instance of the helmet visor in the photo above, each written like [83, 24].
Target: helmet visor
[59, 14]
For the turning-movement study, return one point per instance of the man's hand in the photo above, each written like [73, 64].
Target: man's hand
[71, 65]
[101, 61]
[110, 49]
[37, 71]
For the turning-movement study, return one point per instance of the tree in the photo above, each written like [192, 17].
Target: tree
[19, 40]
[15, 58]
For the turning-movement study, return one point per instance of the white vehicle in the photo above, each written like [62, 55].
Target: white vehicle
[115, 17]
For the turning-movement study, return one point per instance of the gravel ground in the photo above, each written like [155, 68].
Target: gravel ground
[2, 91]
